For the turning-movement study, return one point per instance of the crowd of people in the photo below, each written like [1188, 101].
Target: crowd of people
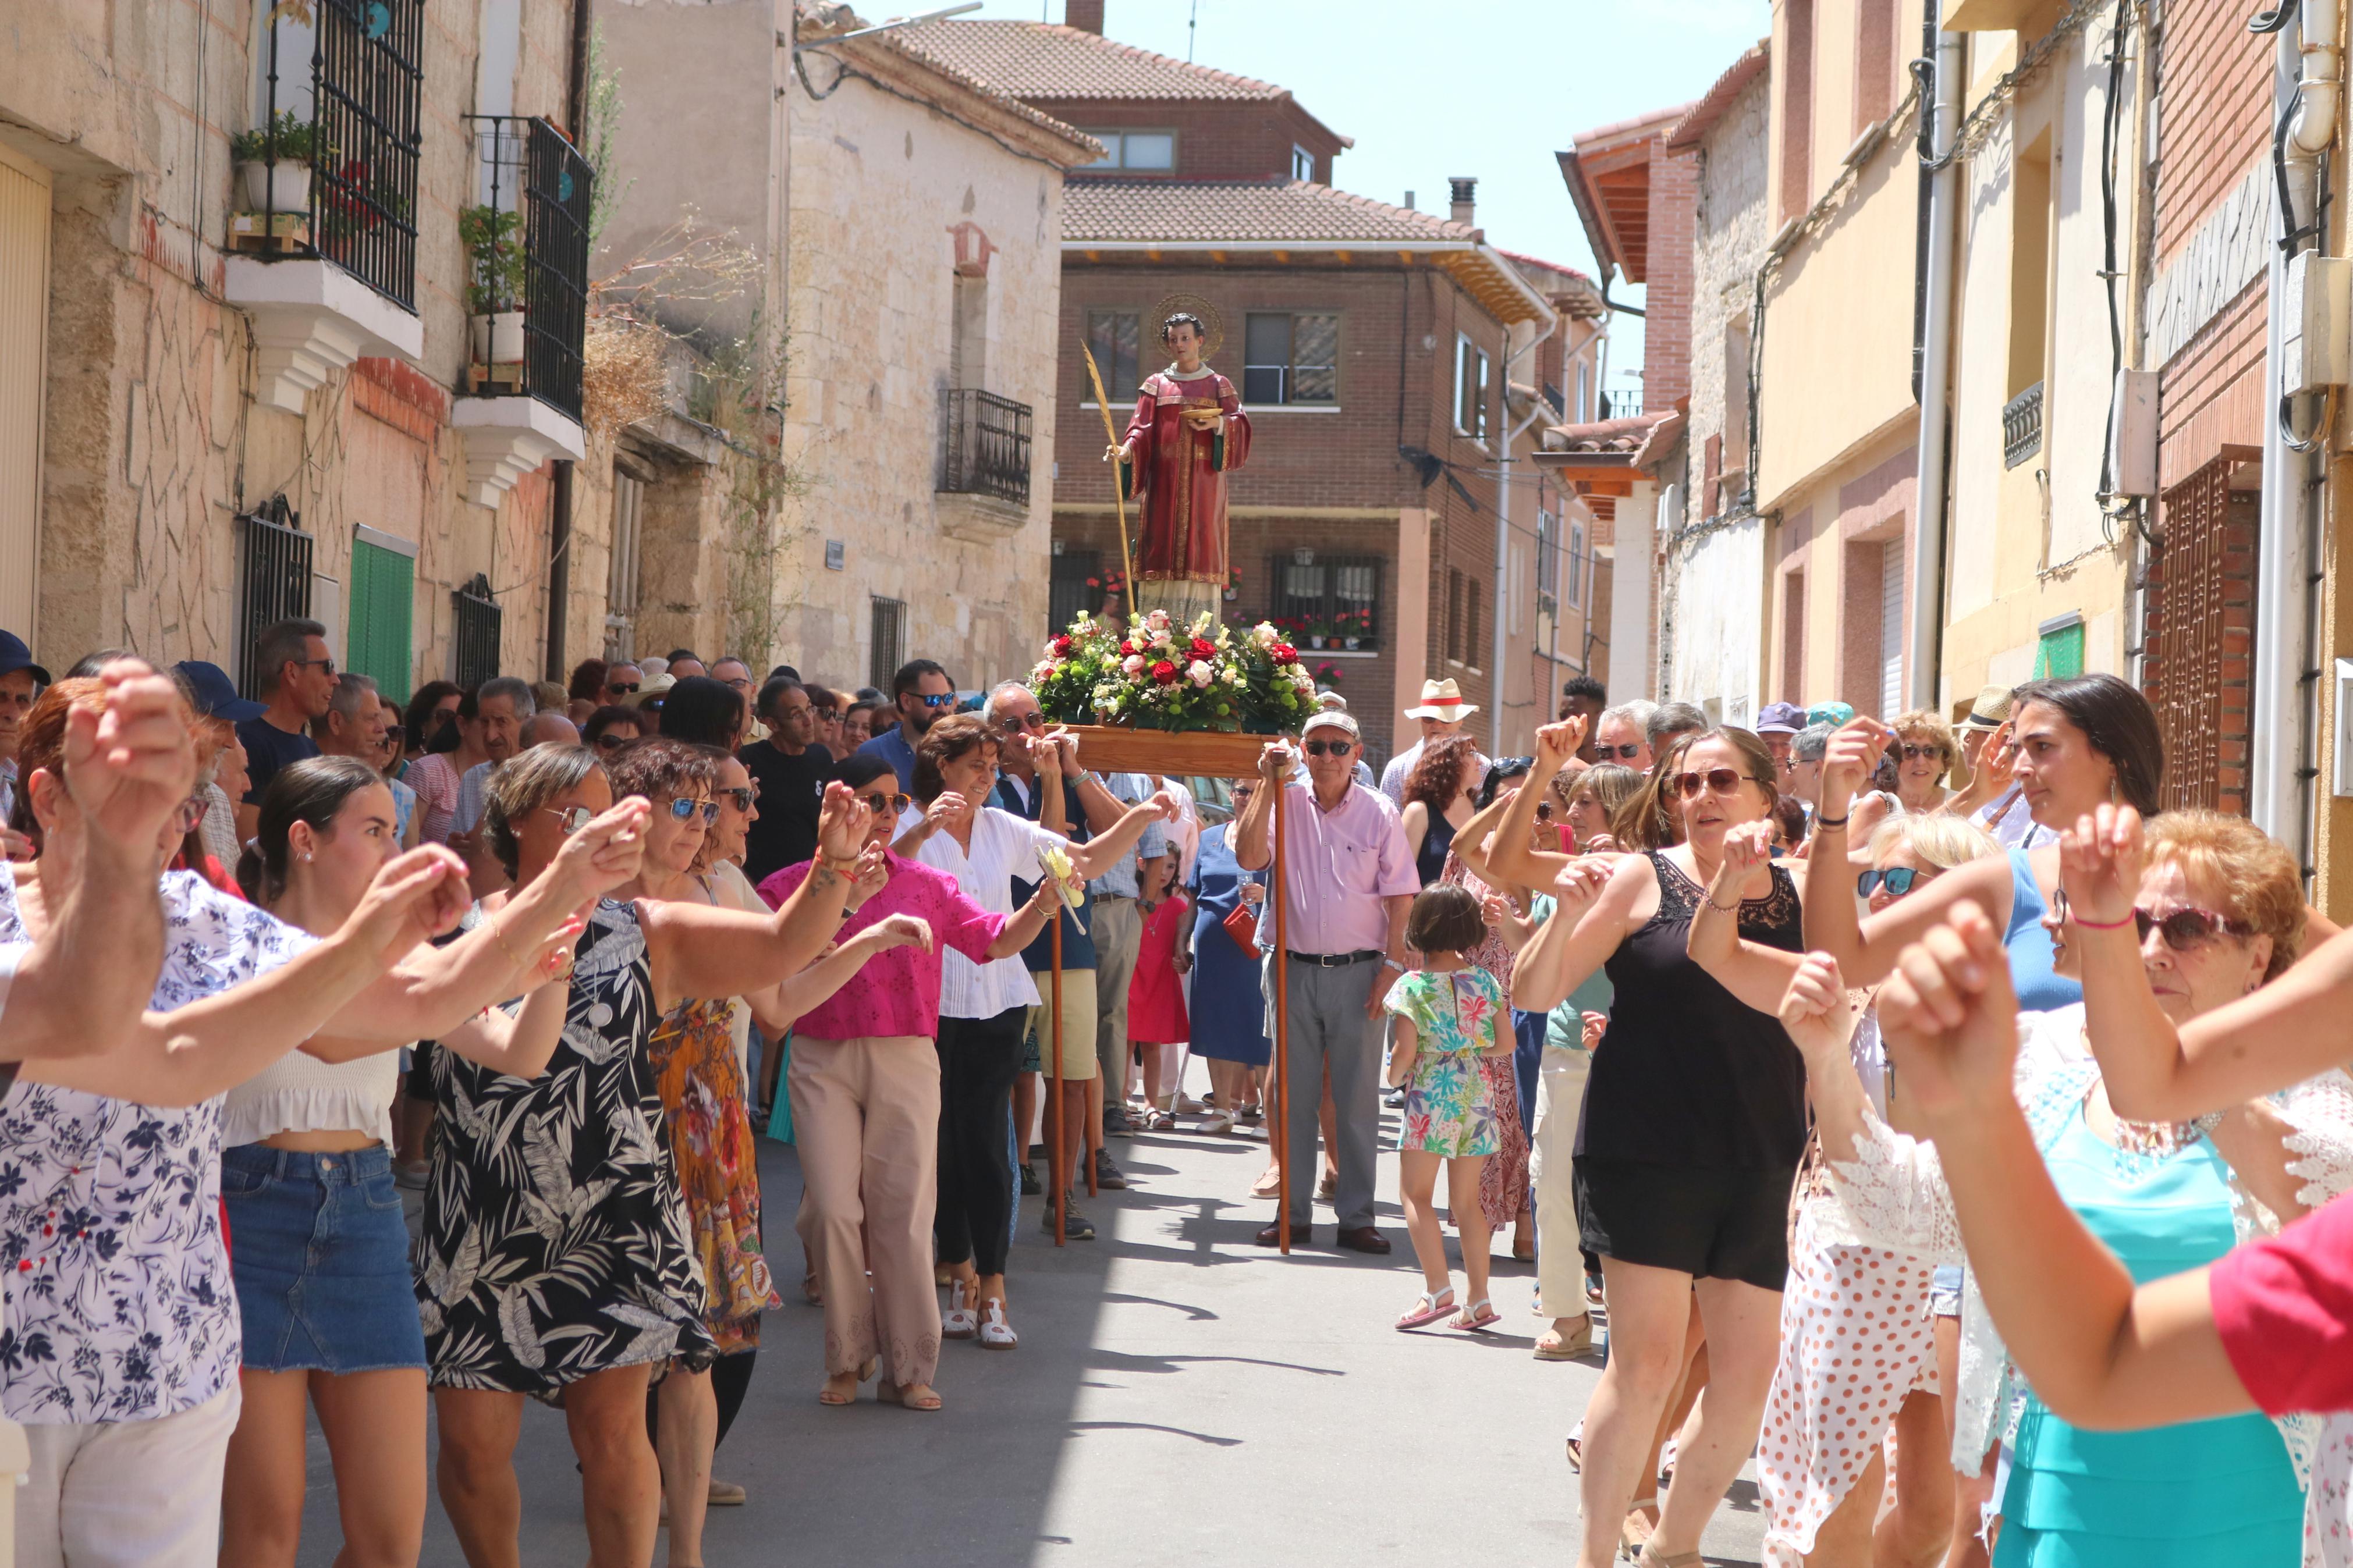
[1924, 1110]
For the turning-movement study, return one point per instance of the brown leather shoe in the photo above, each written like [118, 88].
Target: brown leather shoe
[1365, 1239]
[1273, 1236]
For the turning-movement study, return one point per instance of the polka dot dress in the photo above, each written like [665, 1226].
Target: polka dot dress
[1856, 1339]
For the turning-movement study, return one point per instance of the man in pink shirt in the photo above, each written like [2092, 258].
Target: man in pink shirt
[1348, 880]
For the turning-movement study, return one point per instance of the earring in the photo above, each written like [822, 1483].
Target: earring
[306, 857]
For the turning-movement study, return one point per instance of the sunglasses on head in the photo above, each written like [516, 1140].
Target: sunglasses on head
[741, 796]
[573, 818]
[1328, 748]
[1722, 780]
[1898, 881]
[623, 687]
[683, 808]
[879, 803]
[1625, 754]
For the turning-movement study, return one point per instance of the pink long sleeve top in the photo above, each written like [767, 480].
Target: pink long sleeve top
[897, 992]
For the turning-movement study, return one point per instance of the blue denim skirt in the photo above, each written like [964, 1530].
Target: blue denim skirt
[319, 1253]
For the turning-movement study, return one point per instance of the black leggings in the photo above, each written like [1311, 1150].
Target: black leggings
[979, 1059]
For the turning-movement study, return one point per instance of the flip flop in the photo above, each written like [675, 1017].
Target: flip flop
[1478, 1316]
[1426, 1309]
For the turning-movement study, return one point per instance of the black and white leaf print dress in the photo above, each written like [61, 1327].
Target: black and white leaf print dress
[555, 1241]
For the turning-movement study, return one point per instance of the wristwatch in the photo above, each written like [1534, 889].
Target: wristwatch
[1392, 963]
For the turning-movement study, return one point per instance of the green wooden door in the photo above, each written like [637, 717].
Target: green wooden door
[383, 600]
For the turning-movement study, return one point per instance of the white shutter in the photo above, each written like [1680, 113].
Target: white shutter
[1891, 629]
[24, 310]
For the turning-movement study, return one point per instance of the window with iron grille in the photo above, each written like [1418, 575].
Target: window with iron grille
[887, 650]
[1115, 338]
[1074, 589]
[1335, 597]
[529, 169]
[475, 632]
[1290, 357]
[984, 445]
[277, 580]
[353, 71]
[383, 606]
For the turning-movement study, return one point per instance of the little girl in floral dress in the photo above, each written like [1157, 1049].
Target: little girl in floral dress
[1449, 1013]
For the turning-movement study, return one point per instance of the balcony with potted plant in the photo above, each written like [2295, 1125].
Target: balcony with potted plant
[323, 242]
[526, 300]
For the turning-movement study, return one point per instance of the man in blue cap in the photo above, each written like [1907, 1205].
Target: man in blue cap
[20, 682]
[214, 695]
[1776, 723]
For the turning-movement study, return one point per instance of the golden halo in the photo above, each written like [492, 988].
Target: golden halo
[1213, 324]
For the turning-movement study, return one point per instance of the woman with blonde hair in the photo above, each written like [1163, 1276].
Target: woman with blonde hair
[1924, 751]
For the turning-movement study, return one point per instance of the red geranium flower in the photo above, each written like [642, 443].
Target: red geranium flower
[1165, 673]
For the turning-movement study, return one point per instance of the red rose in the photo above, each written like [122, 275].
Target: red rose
[1204, 648]
[1127, 648]
[1284, 653]
[1061, 648]
[1165, 673]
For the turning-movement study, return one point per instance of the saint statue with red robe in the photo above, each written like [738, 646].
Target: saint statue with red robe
[1189, 433]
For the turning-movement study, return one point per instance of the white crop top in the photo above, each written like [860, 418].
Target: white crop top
[300, 1093]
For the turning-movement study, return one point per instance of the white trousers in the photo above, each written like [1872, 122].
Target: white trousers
[128, 1494]
[1560, 1095]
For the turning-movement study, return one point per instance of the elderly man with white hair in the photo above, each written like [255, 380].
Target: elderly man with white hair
[1622, 735]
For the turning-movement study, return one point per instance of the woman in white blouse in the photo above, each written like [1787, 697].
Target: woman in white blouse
[984, 1007]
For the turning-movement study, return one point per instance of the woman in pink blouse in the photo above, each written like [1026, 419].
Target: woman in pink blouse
[865, 1082]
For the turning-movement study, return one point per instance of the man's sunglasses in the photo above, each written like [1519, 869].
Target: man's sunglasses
[1328, 748]
[1898, 880]
[611, 740]
[325, 664]
[934, 699]
[879, 804]
[683, 808]
[1625, 754]
[1033, 719]
[623, 687]
[741, 796]
[1721, 781]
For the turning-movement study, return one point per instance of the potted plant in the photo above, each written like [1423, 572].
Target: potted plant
[494, 285]
[1354, 627]
[276, 158]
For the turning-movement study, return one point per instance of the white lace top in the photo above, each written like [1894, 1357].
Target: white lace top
[1894, 1194]
[300, 1093]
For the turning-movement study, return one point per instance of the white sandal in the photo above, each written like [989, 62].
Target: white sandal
[996, 1333]
[958, 1323]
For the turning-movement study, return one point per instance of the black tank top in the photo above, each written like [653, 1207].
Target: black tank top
[1687, 1074]
[1429, 861]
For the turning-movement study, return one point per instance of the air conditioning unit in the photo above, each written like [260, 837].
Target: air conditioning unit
[2132, 433]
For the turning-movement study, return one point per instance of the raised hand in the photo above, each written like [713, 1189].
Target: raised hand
[1745, 847]
[413, 899]
[1046, 751]
[946, 807]
[1815, 1010]
[1494, 909]
[872, 871]
[610, 851]
[1579, 883]
[1950, 1017]
[905, 931]
[842, 823]
[2100, 861]
[130, 766]
[1275, 763]
[1556, 743]
[1854, 750]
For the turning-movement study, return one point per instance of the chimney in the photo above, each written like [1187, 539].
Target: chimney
[1086, 16]
[1462, 186]
[1408, 202]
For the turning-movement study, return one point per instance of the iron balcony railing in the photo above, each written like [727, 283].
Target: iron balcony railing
[339, 140]
[476, 631]
[2022, 426]
[984, 445]
[277, 580]
[537, 185]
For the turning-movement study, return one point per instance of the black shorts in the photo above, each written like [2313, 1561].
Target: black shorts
[1709, 1222]
[419, 1082]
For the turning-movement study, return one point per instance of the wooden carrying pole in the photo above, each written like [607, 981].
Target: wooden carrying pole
[1060, 1152]
[1118, 489]
[1279, 895]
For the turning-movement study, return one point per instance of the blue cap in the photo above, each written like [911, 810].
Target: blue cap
[1832, 713]
[15, 656]
[1780, 719]
[215, 694]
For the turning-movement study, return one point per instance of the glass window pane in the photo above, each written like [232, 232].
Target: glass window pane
[1149, 150]
[1112, 336]
[1262, 384]
[1266, 356]
[1110, 160]
[1314, 355]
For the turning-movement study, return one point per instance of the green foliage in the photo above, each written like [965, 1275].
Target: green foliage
[297, 141]
[1161, 676]
[603, 115]
[494, 241]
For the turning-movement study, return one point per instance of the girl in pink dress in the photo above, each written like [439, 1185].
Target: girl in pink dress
[1156, 1021]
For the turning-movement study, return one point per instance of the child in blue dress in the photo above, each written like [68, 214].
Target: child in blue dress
[1448, 1014]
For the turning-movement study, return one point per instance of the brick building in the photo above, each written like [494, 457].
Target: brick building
[1376, 349]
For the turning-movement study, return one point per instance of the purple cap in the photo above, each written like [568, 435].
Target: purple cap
[1780, 719]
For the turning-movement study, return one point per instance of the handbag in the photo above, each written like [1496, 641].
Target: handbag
[1242, 926]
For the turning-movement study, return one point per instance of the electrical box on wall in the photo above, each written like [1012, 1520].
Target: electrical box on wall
[2316, 323]
[2132, 433]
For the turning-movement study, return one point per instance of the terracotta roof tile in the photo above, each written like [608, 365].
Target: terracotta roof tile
[1702, 117]
[1033, 60]
[1624, 435]
[1143, 212]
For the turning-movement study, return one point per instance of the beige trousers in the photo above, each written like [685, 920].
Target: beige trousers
[128, 1494]
[866, 1116]
[1560, 1094]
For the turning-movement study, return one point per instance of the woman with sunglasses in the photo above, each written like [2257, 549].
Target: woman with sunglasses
[2218, 911]
[610, 729]
[1923, 752]
[1694, 1122]
[1870, 1334]
[866, 1083]
[824, 711]
[554, 1259]
[983, 1005]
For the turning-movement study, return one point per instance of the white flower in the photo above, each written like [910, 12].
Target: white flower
[1200, 674]
[1156, 619]
[1044, 667]
[1132, 664]
[1234, 677]
[1263, 634]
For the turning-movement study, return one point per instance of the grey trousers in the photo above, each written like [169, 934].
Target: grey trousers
[1328, 1029]
[1118, 931]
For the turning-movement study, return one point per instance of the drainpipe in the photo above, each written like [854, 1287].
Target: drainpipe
[1936, 360]
[1504, 526]
[2304, 86]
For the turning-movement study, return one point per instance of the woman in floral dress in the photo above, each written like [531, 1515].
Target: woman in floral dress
[1451, 1015]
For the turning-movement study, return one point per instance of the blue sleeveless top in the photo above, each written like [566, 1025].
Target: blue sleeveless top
[2029, 945]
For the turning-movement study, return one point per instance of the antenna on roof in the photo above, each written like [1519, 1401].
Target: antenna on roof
[1192, 23]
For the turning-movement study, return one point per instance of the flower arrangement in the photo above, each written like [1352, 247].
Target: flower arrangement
[1164, 676]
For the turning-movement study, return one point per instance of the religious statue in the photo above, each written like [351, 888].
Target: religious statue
[1189, 433]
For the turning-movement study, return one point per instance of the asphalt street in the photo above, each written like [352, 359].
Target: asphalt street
[1179, 1397]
